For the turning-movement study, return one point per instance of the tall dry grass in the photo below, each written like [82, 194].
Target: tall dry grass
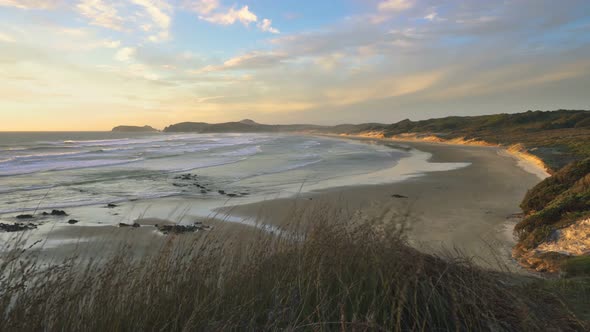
[334, 275]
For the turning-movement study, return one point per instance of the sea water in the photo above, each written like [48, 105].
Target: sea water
[44, 171]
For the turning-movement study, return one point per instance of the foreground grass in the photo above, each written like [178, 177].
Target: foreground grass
[335, 277]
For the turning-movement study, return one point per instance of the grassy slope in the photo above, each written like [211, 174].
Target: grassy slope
[340, 277]
[555, 203]
[557, 137]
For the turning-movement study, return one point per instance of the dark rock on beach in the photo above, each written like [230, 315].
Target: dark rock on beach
[182, 229]
[111, 205]
[72, 221]
[24, 216]
[398, 196]
[16, 227]
[58, 213]
[134, 225]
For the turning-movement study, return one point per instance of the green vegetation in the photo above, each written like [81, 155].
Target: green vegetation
[549, 189]
[555, 203]
[557, 137]
[577, 266]
[337, 277]
[574, 293]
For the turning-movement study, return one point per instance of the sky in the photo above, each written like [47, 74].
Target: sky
[95, 64]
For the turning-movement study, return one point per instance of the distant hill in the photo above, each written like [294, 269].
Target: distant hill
[244, 126]
[134, 129]
[249, 122]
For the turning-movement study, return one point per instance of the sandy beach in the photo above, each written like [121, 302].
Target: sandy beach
[468, 211]
[463, 211]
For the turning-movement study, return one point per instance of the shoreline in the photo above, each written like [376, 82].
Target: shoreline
[461, 209]
[527, 161]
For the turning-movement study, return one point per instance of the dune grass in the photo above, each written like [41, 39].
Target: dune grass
[335, 275]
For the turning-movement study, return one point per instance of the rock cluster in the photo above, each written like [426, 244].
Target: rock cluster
[59, 213]
[17, 227]
[182, 229]
[188, 180]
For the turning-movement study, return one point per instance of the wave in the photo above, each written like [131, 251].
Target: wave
[42, 155]
[101, 201]
[247, 151]
[62, 166]
[286, 168]
[29, 188]
[309, 144]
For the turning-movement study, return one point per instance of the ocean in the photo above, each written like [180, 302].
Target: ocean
[40, 171]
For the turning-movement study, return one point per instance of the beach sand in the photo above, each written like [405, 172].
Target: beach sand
[465, 211]
[468, 211]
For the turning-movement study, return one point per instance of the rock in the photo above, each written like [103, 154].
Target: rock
[399, 196]
[45, 214]
[111, 205]
[222, 192]
[134, 225]
[58, 213]
[232, 195]
[182, 229]
[17, 227]
[72, 221]
[24, 216]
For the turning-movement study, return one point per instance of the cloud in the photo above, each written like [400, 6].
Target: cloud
[203, 7]
[212, 12]
[159, 13]
[6, 38]
[125, 54]
[30, 4]
[110, 43]
[395, 5]
[101, 13]
[266, 26]
[431, 17]
[248, 61]
[243, 15]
